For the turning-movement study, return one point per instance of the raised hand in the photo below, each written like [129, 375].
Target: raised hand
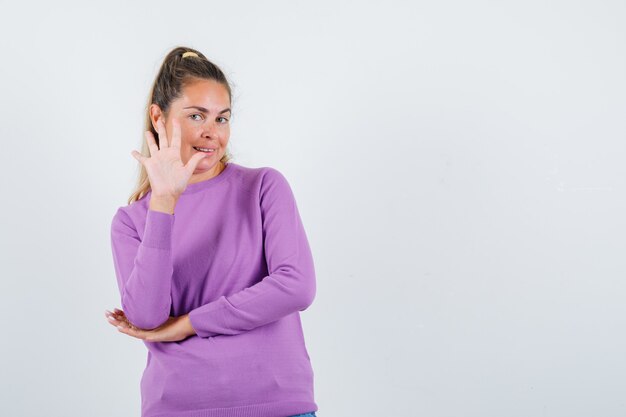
[167, 175]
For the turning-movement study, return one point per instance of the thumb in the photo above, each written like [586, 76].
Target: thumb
[194, 161]
[139, 157]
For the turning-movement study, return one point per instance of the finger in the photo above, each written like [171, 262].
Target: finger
[124, 330]
[152, 145]
[139, 157]
[194, 161]
[113, 321]
[175, 134]
[163, 141]
[120, 317]
[131, 332]
[125, 322]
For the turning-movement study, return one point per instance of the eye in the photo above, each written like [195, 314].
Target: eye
[195, 114]
[225, 119]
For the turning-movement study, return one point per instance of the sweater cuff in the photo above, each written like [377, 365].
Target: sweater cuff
[158, 229]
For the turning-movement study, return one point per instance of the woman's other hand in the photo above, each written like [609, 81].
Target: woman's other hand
[173, 330]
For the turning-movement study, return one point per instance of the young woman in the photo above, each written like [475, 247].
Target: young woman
[212, 262]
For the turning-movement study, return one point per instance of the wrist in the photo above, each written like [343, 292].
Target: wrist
[164, 204]
[188, 328]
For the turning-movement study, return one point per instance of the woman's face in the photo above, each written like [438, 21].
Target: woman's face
[203, 113]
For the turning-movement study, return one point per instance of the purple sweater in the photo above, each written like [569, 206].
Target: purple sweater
[235, 256]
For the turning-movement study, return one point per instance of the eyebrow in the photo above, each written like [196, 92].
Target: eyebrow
[202, 109]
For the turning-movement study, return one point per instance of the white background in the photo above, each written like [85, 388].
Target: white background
[458, 165]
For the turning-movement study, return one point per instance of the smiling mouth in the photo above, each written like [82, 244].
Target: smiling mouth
[205, 150]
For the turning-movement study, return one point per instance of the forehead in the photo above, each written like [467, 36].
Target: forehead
[204, 93]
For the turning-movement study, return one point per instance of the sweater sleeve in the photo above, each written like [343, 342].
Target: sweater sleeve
[290, 285]
[144, 267]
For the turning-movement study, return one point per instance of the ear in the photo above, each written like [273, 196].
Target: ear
[155, 115]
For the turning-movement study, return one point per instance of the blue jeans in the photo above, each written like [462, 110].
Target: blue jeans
[311, 414]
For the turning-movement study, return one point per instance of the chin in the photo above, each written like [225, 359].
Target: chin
[205, 165]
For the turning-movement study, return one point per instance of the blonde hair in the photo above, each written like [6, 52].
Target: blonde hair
[175, 73]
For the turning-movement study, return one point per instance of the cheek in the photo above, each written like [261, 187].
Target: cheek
[185, 136]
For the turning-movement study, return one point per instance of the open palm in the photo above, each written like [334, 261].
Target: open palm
[167, 174]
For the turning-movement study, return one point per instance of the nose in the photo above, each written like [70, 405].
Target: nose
[208, 128]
